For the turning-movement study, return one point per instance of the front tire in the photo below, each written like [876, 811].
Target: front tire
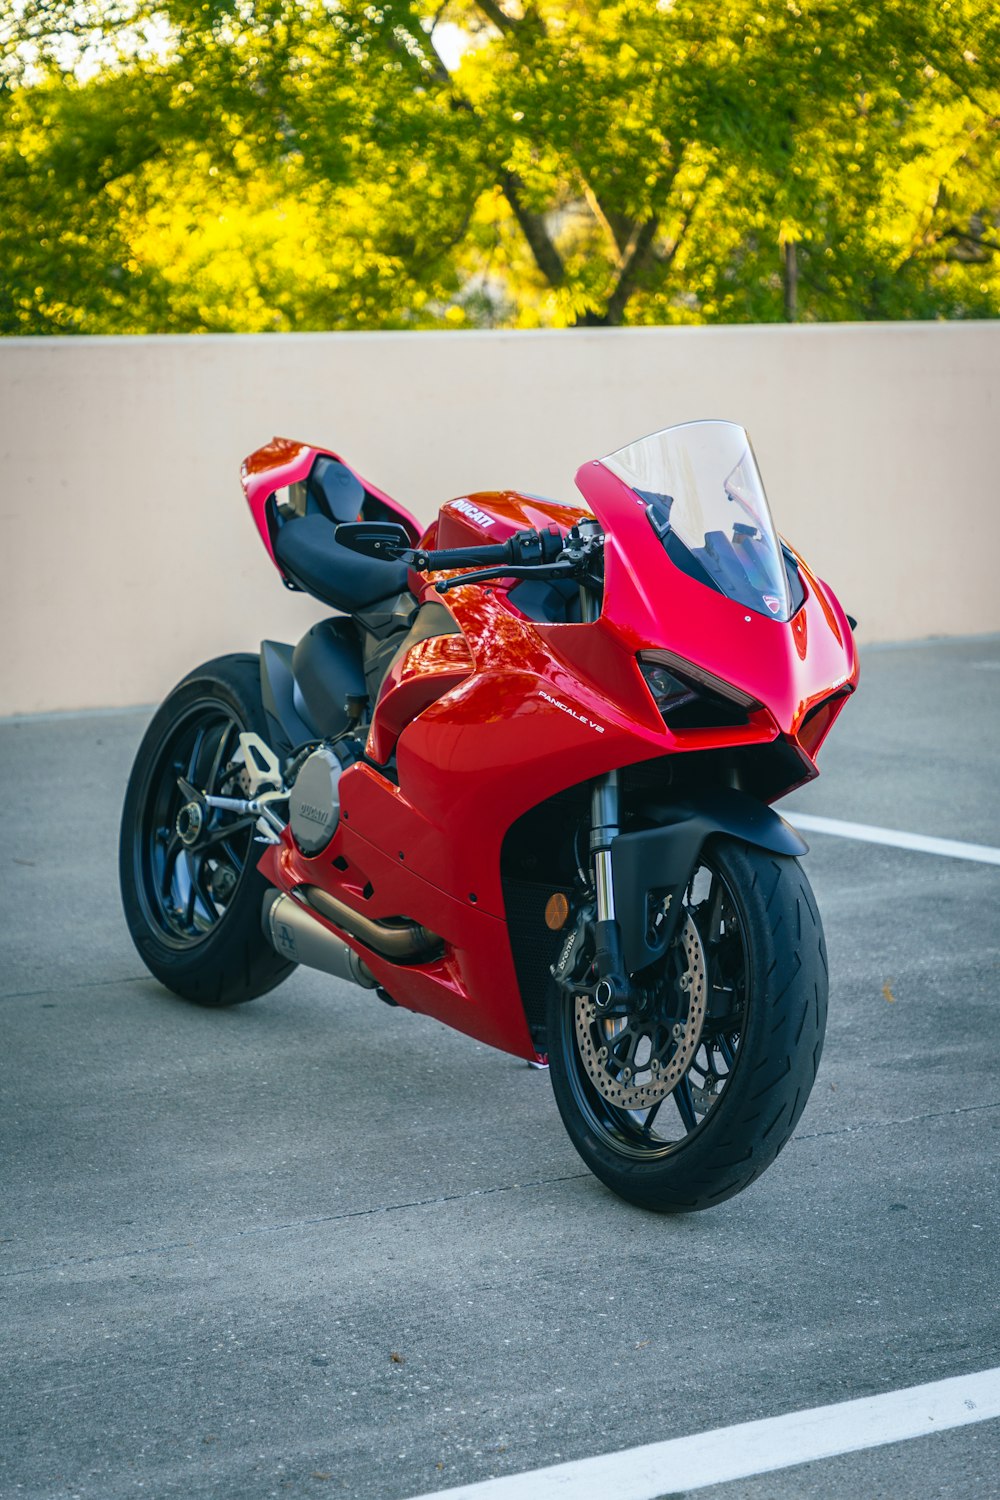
[742, 1091]
[193, 905]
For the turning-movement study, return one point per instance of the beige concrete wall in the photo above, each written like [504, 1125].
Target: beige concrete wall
[130, 555]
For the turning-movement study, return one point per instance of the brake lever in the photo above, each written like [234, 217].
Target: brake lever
[510, 570]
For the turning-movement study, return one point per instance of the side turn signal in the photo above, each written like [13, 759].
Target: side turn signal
[556, 911]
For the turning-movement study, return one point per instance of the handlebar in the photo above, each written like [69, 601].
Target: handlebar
[524, 549]
[539, 554]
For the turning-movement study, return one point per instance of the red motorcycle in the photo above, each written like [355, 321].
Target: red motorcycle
[520, 781]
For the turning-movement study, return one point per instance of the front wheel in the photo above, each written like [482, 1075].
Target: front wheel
[684, 1101]
[190, 887]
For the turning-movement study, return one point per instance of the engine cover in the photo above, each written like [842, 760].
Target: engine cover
[314, 801]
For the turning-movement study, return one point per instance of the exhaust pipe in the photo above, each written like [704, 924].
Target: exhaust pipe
[400, 940]
[296, 934]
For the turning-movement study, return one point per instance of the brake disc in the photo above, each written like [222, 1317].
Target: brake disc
[638, 1059]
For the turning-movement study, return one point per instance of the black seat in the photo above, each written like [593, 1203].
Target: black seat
[310, 554]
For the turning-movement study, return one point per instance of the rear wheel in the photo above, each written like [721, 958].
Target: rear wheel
[684, 1101]
[190, 888]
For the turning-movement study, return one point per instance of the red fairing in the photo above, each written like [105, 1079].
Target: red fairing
[491, 723]
[282, 462]
[787, 667]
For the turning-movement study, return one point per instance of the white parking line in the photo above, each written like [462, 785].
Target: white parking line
[896, 838]
[800, 1437]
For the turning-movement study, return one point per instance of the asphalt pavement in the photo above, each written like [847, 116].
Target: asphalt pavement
[313, 1246]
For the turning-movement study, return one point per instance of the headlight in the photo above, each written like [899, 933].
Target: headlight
[668, 691]
[688, 697]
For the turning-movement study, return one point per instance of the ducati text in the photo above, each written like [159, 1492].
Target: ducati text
[473, 512]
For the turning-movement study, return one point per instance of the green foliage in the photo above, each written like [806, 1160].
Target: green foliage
[265, 164]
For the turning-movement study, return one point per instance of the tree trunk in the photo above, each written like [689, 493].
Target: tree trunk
[791, 279]
[533, 227]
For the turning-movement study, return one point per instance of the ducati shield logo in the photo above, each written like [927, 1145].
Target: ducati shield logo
[773, 604]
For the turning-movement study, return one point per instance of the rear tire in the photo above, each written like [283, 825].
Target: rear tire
[194, 911]
[746, 1086]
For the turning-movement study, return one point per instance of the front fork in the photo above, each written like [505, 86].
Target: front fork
[612, 988]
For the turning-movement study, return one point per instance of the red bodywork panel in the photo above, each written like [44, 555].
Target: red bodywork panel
[489, 724]
[282, 462]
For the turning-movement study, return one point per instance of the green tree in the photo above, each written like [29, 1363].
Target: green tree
[264, 164]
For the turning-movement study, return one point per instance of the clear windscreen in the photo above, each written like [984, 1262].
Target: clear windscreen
[701, 486]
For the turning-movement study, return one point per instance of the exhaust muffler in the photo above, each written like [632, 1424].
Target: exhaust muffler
[298, 935]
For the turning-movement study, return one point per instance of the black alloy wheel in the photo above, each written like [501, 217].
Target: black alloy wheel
[192, 856]
[191, 890]
[733, 1018]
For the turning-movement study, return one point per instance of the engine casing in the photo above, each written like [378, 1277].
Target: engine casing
[314, 801]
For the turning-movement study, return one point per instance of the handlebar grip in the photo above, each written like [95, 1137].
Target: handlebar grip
[524, 548]
[463, 557]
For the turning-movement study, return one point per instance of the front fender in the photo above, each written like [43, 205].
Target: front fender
[657, 863]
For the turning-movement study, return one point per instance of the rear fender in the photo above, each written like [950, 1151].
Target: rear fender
[654, 866]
